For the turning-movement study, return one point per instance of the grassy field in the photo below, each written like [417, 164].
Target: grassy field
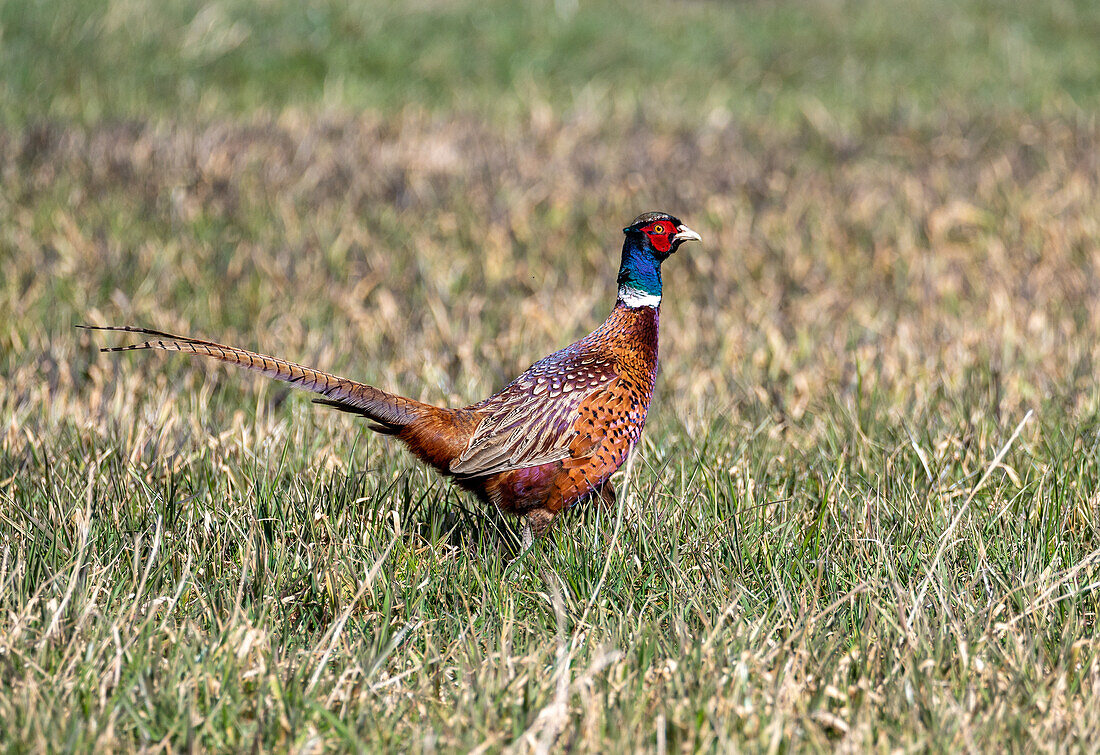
[865, 511]
[777, 62]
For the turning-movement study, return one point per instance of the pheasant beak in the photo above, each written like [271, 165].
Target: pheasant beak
[683, 233]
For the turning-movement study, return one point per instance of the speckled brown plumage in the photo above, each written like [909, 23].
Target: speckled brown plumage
[550, 453]
[551, 437]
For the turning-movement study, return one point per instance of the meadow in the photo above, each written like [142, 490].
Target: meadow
[864, 515]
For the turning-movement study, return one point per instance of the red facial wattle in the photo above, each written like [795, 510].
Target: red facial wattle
[660, 235]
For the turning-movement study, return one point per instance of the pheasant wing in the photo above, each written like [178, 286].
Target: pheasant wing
[533, 420]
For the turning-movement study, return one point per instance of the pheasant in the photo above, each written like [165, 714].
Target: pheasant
[547, 440]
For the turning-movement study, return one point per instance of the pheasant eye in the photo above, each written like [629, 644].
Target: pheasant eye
[658, 228]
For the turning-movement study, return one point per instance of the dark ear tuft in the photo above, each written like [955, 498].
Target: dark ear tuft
[648, 217]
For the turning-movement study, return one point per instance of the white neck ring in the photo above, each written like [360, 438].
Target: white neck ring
[634, 298]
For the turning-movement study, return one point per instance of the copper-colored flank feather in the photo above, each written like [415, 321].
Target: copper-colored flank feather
[551, 437]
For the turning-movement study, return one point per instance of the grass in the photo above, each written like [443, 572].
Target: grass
[864, 511]
[837, 60]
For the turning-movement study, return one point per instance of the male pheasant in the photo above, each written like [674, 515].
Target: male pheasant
[551, 437]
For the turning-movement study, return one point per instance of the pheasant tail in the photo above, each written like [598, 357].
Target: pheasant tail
[388, 412]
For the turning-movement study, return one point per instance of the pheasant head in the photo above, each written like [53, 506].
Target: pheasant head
[650, 240]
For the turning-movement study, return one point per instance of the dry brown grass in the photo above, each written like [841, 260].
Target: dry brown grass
[439, 257]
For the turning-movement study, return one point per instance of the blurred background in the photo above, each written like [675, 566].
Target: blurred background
[430, 194]
[899, 207]
[681, 63]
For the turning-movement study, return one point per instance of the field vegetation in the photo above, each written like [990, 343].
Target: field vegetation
[865, 511]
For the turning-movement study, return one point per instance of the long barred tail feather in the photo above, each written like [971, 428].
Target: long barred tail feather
[388, 412]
